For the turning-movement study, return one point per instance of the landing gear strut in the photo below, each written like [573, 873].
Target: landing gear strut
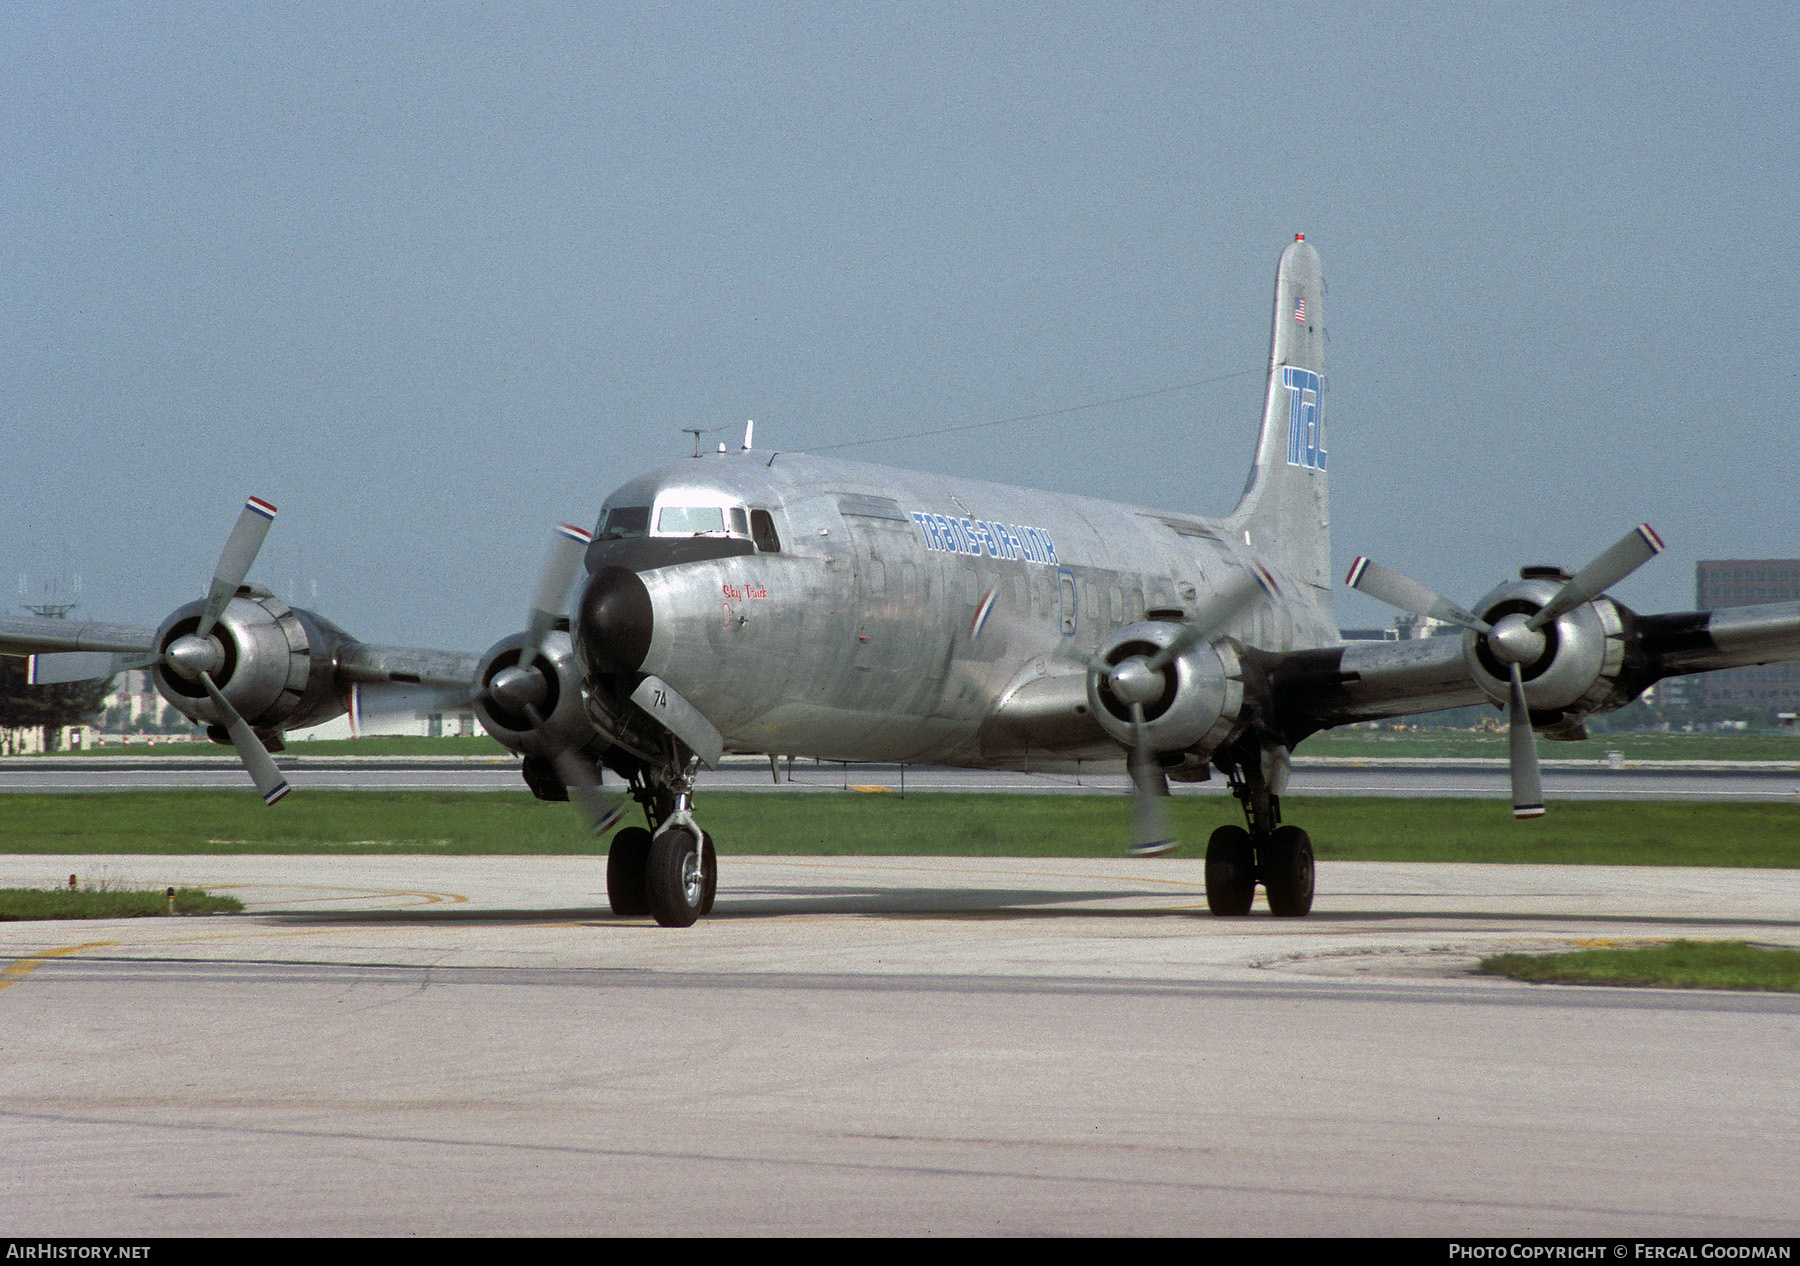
[1281, 857]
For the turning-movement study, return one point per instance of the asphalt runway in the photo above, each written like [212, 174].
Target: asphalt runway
[1567, 780]
[470, 1046]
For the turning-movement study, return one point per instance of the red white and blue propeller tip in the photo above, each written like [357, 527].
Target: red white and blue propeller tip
[261, 507]
[581, 536]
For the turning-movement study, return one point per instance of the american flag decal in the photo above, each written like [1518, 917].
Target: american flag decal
[1300, 308]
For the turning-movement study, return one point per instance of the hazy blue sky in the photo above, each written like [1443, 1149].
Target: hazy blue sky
[431, 277]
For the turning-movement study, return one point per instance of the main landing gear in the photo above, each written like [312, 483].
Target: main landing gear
[671, 874]
[1281, 857]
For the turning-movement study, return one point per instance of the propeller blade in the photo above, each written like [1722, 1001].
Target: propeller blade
[601, 809]
[1391, 587]
[582, 781]
[1626, 555]
[235, 559]
[1150, 788]
[1225, 604]
[1527, 782]
[269, 780]
[568, 546]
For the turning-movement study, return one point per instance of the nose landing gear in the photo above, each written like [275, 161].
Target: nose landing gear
[671, 874]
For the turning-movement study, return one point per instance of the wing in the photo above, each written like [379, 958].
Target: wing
[42, 637]
[61, 651]
[1551, 674]
[1603, 657]
[450, 672]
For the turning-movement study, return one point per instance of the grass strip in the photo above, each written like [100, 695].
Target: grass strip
[1633, 833]
[1443, 744]
[1675, 964]
[387, 745]
[1425, 743]
[109, 903]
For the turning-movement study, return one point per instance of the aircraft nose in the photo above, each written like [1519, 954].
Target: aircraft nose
[614, 623]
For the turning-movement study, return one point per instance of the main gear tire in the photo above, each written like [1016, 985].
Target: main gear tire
[1287, 872]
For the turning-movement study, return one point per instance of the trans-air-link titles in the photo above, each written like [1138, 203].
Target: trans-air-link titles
[979, 538]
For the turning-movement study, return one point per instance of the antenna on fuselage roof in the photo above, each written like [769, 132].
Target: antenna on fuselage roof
[698, 431]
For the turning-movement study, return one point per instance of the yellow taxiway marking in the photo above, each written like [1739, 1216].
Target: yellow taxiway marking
[22, 968]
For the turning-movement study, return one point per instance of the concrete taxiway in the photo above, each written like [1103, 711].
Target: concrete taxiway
[474, 1046]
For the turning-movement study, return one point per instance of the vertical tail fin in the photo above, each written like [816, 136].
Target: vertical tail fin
[1285, 511]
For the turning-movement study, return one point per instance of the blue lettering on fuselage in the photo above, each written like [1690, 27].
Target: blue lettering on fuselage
[980, 538]
[1306, 423]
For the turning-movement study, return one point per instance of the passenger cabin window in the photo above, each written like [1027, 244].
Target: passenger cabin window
[623, 521]
[762, 531]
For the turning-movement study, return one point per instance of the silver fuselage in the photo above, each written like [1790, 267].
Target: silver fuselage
[903, 610]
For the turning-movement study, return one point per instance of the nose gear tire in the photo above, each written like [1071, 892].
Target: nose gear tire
[627, 872]
[676, 884]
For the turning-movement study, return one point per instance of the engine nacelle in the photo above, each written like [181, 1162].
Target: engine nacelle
[275, 667]
[565, 723]
[1584, 653]
[1202, 693]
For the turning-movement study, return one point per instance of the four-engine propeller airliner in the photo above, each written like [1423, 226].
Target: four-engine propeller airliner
[758, 602]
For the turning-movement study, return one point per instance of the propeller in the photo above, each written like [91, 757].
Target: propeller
[1515, 639]
[522, 687]
[197, 656]
[601, 809]
[1137, 679]
[1135, 682]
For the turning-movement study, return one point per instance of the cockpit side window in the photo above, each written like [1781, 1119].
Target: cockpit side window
[623, 521]
[762, 531]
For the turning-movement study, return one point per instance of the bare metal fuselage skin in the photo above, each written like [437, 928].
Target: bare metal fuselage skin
[907, 617]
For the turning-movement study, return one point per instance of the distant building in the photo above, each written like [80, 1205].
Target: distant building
[1405, 628]
[1741, 582]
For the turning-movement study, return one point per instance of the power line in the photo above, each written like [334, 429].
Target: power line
[1035, 417]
